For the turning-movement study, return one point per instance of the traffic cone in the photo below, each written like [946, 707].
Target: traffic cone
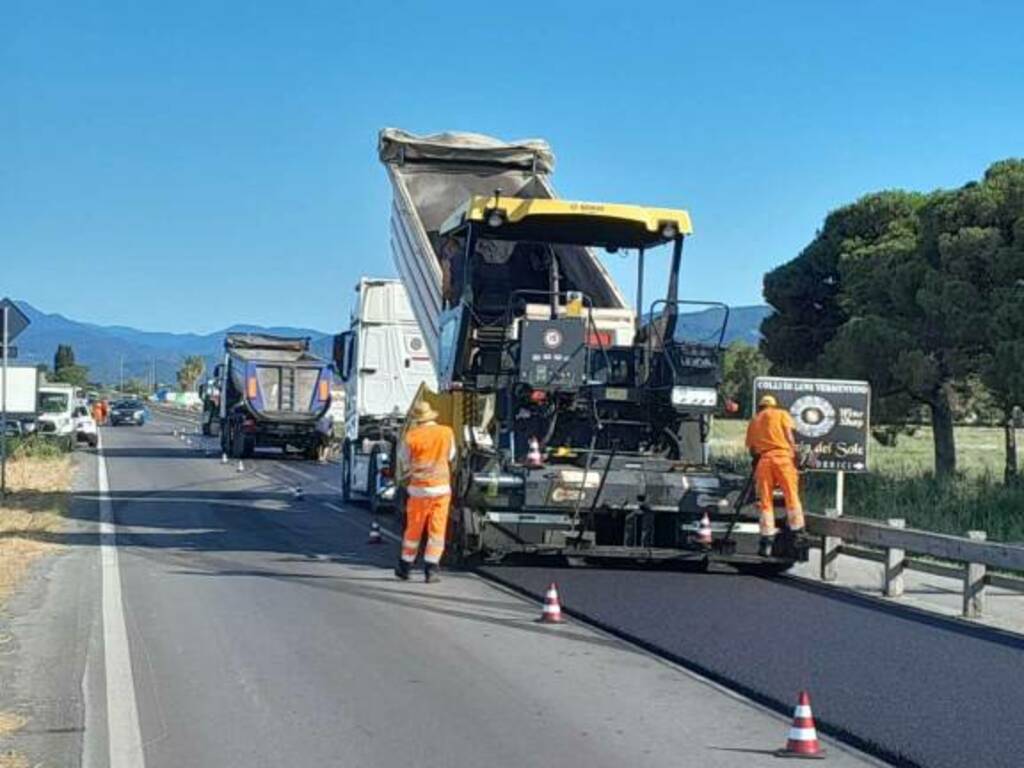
[223, 458]
[552, 613]
[803, 736]
[240, 467]
[375, 537]
[704, 531]
[533, 457]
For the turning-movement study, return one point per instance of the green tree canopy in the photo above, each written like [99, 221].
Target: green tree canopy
[906, 290]
[65, 370]
[741, 364]
[192, 368]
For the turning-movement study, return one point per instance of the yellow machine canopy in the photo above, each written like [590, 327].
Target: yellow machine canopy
[569, 222]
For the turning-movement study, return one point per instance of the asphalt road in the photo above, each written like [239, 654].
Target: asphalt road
[231, 624]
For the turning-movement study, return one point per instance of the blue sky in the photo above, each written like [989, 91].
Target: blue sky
[188, 165]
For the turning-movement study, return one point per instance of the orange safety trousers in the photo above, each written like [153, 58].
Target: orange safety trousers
[777, 470]
[430, 514]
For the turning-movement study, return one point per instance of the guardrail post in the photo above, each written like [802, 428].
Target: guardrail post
[974, 583]
[830, 552]
[895, 562]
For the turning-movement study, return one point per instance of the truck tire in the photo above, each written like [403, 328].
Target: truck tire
[236, 442]
[460, 551]
[372, 500]
[346, 473]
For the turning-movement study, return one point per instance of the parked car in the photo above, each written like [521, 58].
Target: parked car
[131, 412]
[85, 426]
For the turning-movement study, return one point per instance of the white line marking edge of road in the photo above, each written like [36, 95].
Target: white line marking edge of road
[124, 737]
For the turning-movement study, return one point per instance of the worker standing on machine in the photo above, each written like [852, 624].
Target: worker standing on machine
[424, 461]
[773, 449]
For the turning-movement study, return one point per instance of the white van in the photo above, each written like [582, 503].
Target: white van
[56, 420]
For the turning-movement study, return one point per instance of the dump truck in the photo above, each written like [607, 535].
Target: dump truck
[272, 392]
[382, 360]
[582, 425]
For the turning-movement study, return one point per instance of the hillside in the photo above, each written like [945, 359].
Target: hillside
[102, 347]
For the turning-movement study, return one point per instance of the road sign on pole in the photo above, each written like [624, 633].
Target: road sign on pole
[12, 322]
[831, 418]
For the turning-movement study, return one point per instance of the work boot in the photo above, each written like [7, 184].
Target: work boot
[402, 570]
[764, 548]
[431, 575]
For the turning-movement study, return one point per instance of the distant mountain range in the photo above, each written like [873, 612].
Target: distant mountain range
[103, 347]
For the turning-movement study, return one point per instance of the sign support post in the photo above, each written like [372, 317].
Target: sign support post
[3, 417]
[840, 491]
[14, 322]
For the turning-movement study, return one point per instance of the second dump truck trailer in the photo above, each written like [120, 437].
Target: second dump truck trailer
[582, 431]
[272, 392]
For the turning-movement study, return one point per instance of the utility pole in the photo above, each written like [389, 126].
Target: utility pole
[121, 387]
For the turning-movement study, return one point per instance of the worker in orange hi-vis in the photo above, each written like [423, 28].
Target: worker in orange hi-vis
[424, 462]
[771, 445]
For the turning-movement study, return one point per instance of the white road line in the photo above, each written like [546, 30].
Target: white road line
[123, 734]
[383, 531]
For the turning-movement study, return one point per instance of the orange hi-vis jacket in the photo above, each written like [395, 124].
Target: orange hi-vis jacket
[768, 432]
[426, 456]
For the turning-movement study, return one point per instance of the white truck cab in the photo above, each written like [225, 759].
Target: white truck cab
[382, 360]
[56, 420]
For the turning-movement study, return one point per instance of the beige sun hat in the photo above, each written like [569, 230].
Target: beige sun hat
[422, 412]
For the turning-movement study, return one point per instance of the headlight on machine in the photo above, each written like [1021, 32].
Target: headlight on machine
[694, 397]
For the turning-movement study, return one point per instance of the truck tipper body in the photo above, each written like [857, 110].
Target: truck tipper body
[382, 360]
[582, 425]
[272, 392]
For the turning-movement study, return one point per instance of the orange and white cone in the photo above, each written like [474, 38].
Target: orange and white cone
[803, 736]
[552, 613]
[375, 537]
[533, 457]
[704, 531]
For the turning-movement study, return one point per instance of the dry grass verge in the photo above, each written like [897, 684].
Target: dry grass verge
[31, 516]
[13, 760]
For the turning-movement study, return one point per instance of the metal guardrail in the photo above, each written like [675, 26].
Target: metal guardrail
[892, 540]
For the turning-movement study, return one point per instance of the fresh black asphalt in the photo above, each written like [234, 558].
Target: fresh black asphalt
[910, 687]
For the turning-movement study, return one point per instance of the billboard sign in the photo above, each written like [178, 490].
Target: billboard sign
[832, 418]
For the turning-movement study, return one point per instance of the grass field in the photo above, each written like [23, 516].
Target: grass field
[33, 511]
[901, 483]
[979, 450]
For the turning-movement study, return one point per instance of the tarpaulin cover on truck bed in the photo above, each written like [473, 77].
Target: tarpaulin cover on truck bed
[438, 173]
[260, 346]
[398, 146]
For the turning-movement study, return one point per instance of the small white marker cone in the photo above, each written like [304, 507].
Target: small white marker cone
[552, 613]
[241, 466]
[223, 458]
